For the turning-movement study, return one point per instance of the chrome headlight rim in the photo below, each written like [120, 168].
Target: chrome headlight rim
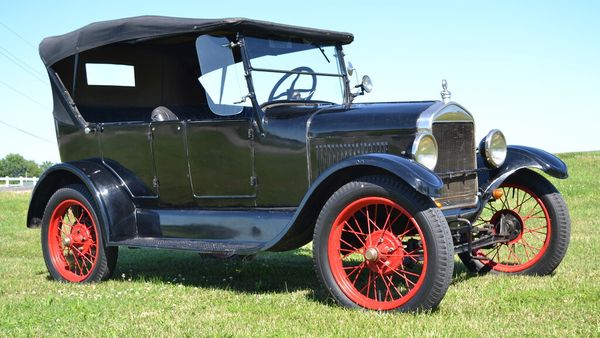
[415, 154]
[488, 148]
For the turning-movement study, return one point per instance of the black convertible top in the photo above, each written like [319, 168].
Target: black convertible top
[56, 48]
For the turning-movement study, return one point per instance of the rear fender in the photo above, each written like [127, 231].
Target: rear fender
[114, 206]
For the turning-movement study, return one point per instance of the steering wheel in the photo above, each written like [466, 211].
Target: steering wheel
[292, 93]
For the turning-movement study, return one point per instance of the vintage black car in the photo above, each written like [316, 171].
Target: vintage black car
[235, 136]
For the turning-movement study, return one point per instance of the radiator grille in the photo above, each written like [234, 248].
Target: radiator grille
[329, 154]
[456, 163]
[456, 145]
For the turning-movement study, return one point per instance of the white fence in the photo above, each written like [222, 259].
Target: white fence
[18, 181]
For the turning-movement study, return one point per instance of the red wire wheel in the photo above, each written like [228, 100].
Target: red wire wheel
[377, 253]
[73, 240]
[530, 229]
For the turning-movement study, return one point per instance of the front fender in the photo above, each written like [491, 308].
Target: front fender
[114, 206]
[417, 176]
[300, 228]
[520, 157]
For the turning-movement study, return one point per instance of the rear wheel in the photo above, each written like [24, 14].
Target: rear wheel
[539, 224]
[72, 242]
[380, 245]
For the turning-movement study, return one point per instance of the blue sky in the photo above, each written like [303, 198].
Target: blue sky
[531, 69]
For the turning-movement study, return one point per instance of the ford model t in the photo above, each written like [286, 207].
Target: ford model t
[236, 136]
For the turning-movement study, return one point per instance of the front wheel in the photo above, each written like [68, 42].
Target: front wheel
[380, 245]
[72, 242]
[540, 228]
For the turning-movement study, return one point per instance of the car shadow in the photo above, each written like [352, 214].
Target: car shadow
[265, 273]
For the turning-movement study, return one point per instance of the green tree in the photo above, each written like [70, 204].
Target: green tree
[45, 165]
[15, 165]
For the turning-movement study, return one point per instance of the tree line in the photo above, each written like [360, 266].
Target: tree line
[15, 165]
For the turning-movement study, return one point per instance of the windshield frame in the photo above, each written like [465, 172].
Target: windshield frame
[248, 73]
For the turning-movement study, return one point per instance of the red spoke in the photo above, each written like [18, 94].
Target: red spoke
[504, 199]
[353, 267]
[540, 228]
[369, 221]
[530, 215]
[390, 278]
[77, 264]
[491, 208]
[407, 230]
[514, 254]
[387, 219]
[80, 216]
[406, 280]
[406, 253]
[408, 272]
[525, 200]
[535, 234]
[534, 217]
[82, 255]
[387, 287]
[356, 234]
[532, 248]
[352, 230]
[532, 210]
[358, 273]
[348, 244]
[525, 246]
[497, 249]
[375, 216]
[376, 294]
[507, 199]
[369, 282]
[396, 219]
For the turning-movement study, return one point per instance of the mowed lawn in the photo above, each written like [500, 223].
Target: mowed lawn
[156, 292]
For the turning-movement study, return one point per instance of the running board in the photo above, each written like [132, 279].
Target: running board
[201, 246]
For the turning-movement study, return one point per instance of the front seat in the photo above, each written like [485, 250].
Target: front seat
[162, 113]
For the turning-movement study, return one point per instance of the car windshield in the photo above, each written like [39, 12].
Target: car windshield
[286, 70]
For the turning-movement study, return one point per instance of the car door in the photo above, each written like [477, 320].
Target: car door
[221, 161]
[171, 164]
[220, 141]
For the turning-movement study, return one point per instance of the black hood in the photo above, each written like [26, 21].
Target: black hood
[368, 118]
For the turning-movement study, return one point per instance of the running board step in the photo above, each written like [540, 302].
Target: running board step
[192, 245]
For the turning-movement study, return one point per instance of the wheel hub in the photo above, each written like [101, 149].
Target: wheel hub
[371, 254]
[508, 223]
[384, 252]
[79, 237]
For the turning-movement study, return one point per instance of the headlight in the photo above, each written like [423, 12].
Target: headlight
[425, 150]
[494, 148]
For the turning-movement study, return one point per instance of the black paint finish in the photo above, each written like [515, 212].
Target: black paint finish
[235, 184]
[220, 151]
[127, 149]
[115, 209]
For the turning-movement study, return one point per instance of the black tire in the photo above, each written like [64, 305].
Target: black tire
[556, 221]
[433, 267]
[72, 241]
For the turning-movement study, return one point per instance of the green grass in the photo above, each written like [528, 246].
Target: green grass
[156, 292]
